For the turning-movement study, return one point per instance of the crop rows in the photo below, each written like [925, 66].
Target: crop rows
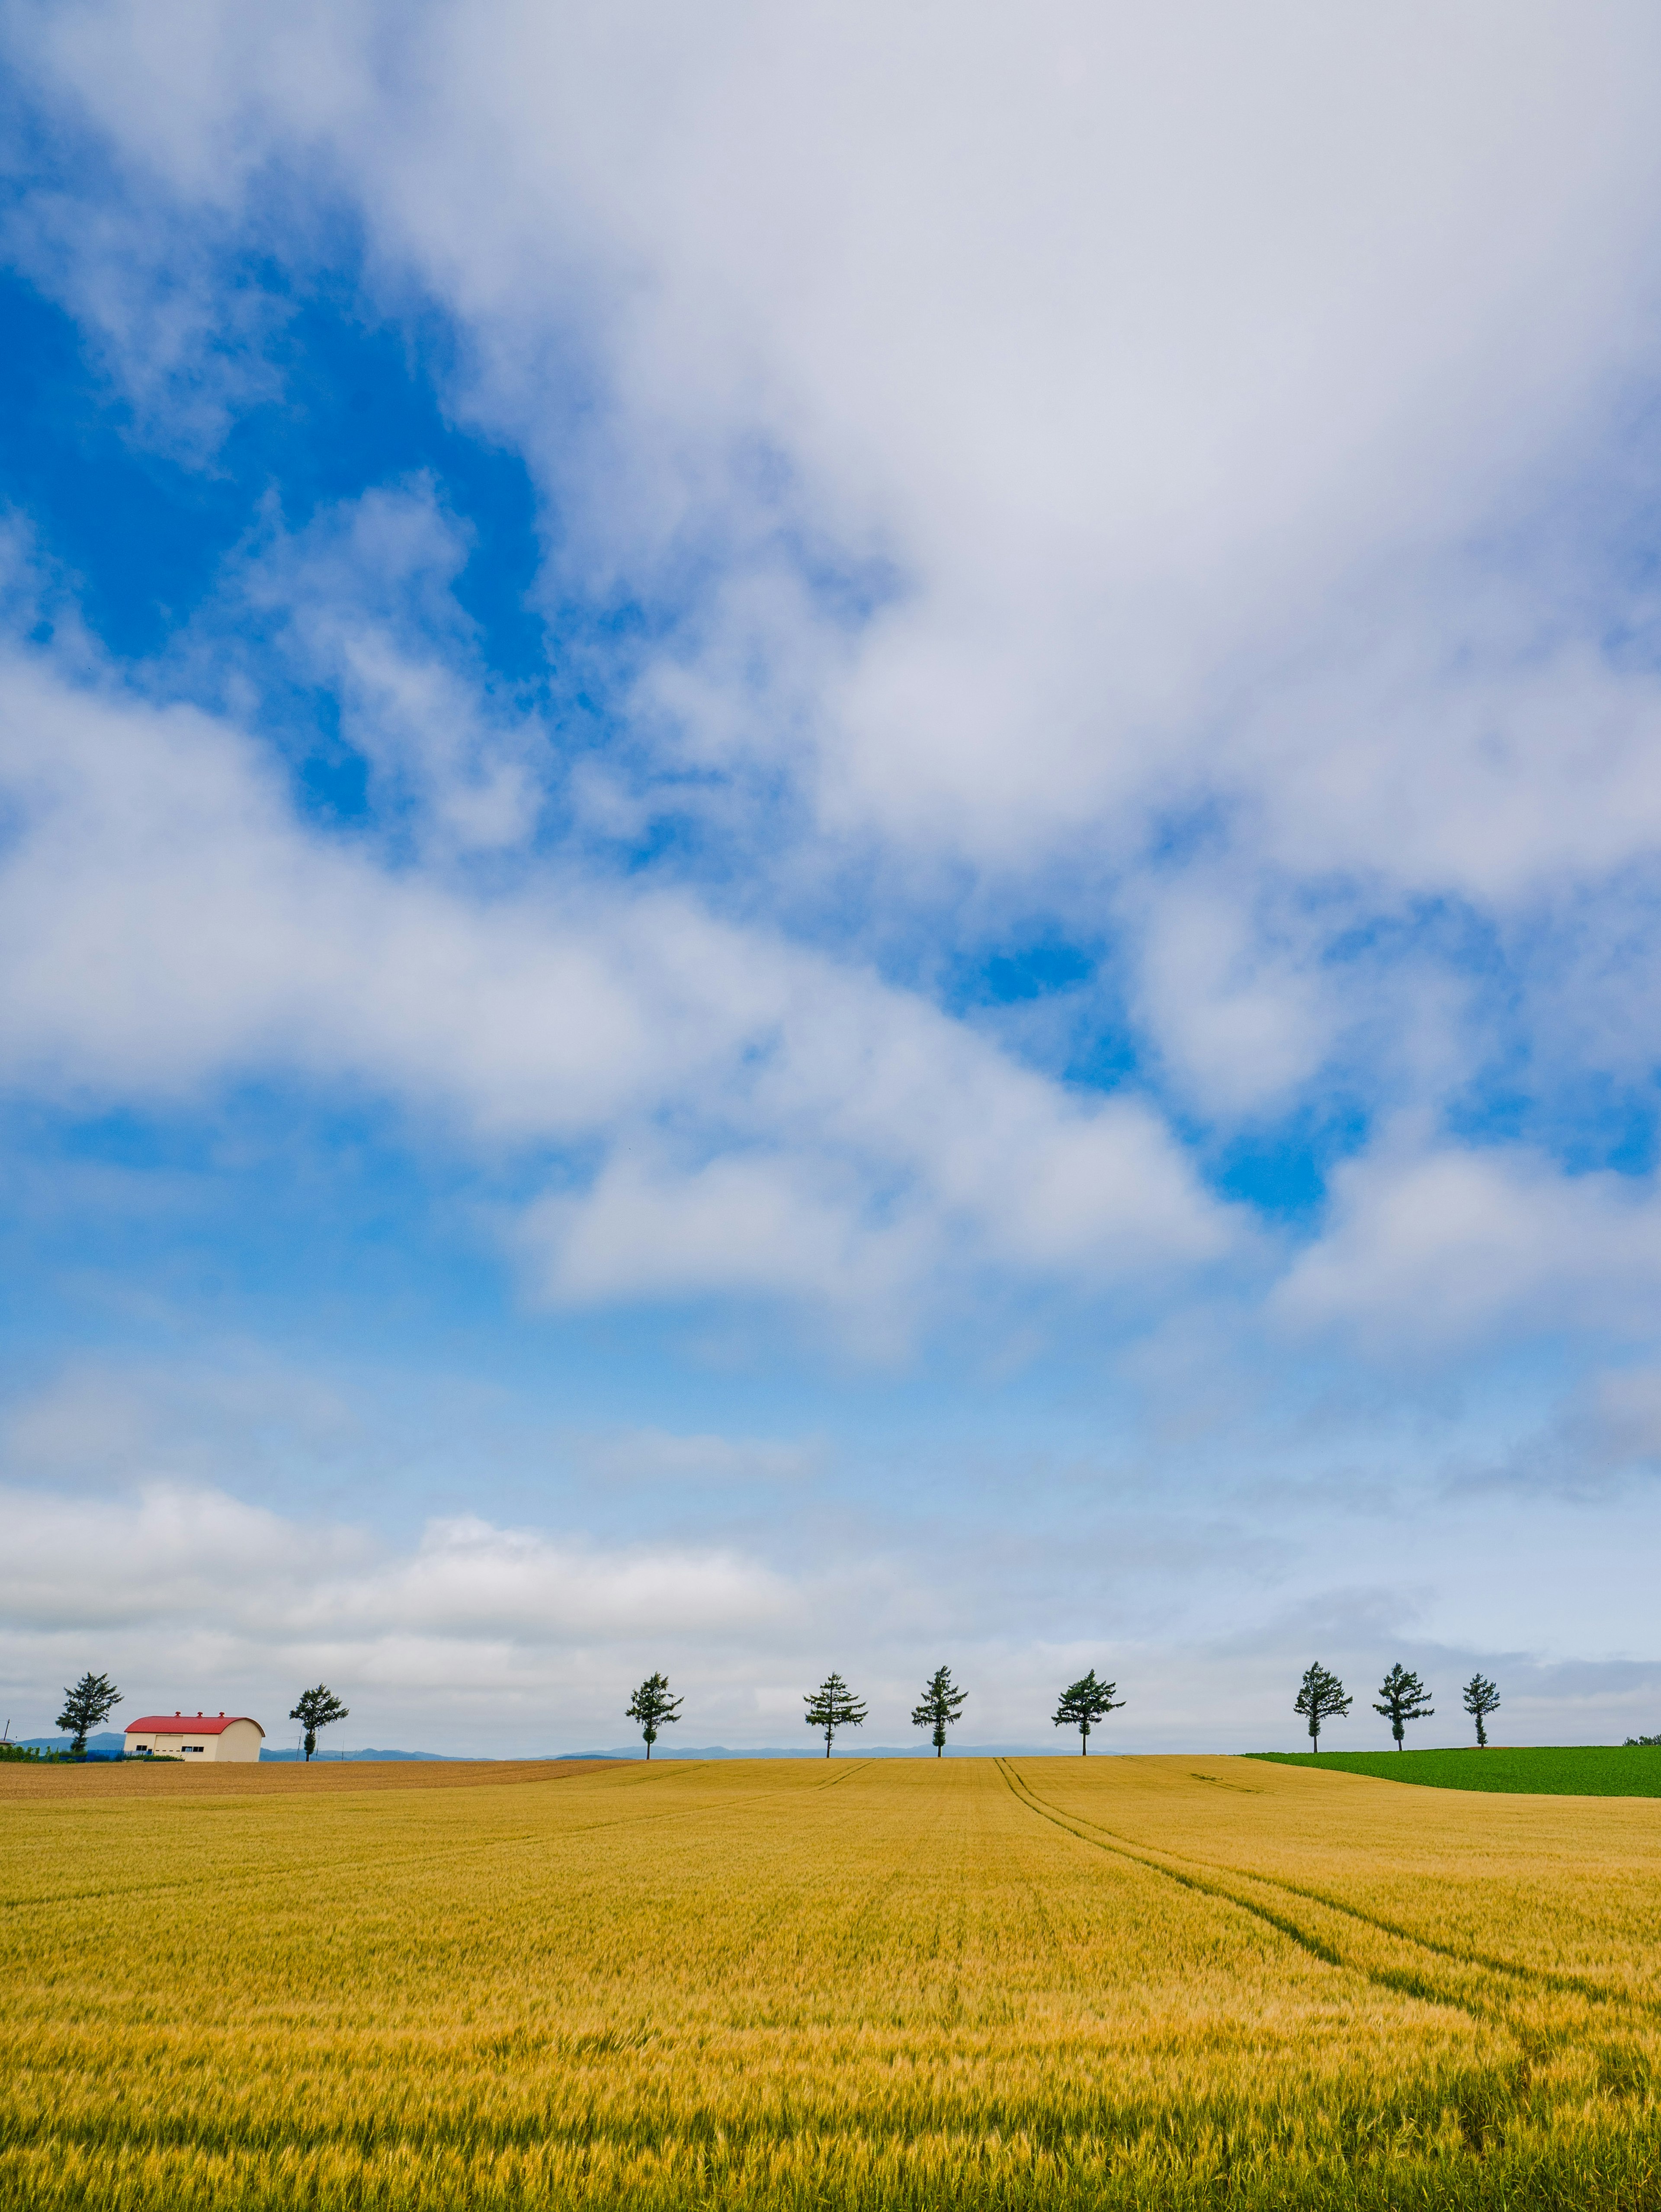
[1138, 1983]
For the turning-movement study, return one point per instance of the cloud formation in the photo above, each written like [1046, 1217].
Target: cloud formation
[765, 1119]
[1152, 507]
[476, 1636]
[1183, 489]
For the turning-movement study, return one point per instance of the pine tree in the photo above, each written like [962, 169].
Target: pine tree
[1405, 1699]
[1480, 1698]
[1321, 1697]
[1084, 1703]
[941, 1704]
[94, 1699]
[654, 1708]
[317, 1709]
[831, 1706]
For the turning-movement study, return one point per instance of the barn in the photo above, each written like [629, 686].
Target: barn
[195, 1736]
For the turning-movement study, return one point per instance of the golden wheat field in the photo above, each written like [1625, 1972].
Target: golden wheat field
[1046, 1982]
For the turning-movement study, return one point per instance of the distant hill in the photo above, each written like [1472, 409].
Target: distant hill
[848, 1747]
[106, 1740]
[331, 1758]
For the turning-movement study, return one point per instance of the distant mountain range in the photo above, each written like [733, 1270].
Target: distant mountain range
[662, 1750]
[333, 1758]
[106, 1740]
[847, 1748]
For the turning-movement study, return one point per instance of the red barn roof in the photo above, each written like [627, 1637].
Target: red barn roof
[187, 1723]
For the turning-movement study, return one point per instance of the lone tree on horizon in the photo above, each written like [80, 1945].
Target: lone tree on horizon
[941, 1702]
[654, 1708]
[1083, 1703]
[831, 1706]
[1480, 1698]
[94, 1699]
[1321, 1697]
[1405, 1699]
[317, 1709]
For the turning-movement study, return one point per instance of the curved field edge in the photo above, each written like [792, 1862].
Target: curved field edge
[1567, 1771]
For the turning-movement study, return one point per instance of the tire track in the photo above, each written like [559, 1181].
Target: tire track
[1542, 1978]
[1397, 1983]
[847, 1774]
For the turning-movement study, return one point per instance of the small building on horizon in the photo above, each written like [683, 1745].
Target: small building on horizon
[195, 1737]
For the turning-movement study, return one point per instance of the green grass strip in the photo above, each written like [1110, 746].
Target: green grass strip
[1595, 1770]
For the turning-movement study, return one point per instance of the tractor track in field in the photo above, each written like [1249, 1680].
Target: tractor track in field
[848, 1773]
[1543, 1978]
[1211, 1883]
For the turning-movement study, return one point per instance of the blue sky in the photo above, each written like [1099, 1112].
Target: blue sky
[830, 844]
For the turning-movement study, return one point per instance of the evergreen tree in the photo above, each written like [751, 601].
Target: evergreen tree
[94, 1699]
[1321, 1697]
[1405, 1699]
[1479, 1699]
[317, 1709]
[654, 1708]
[941, 1704]
[1084, 1703]
[831, 1706]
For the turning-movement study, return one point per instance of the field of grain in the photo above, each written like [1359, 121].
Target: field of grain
[1049, 1983]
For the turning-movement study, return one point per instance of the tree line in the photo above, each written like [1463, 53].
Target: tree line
[1403, 1698]
[1320, 1697]
[833, 1706]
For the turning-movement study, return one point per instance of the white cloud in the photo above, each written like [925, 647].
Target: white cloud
[1439, 1249]
[468, 1576]
[188, 358]
[765, 1120]
[364, 604]
[193, 1581]
[1121, 338]
[173, 1554]
[1241, 1020]
[740, 1224]
[1207, 388]
[471, 1635]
